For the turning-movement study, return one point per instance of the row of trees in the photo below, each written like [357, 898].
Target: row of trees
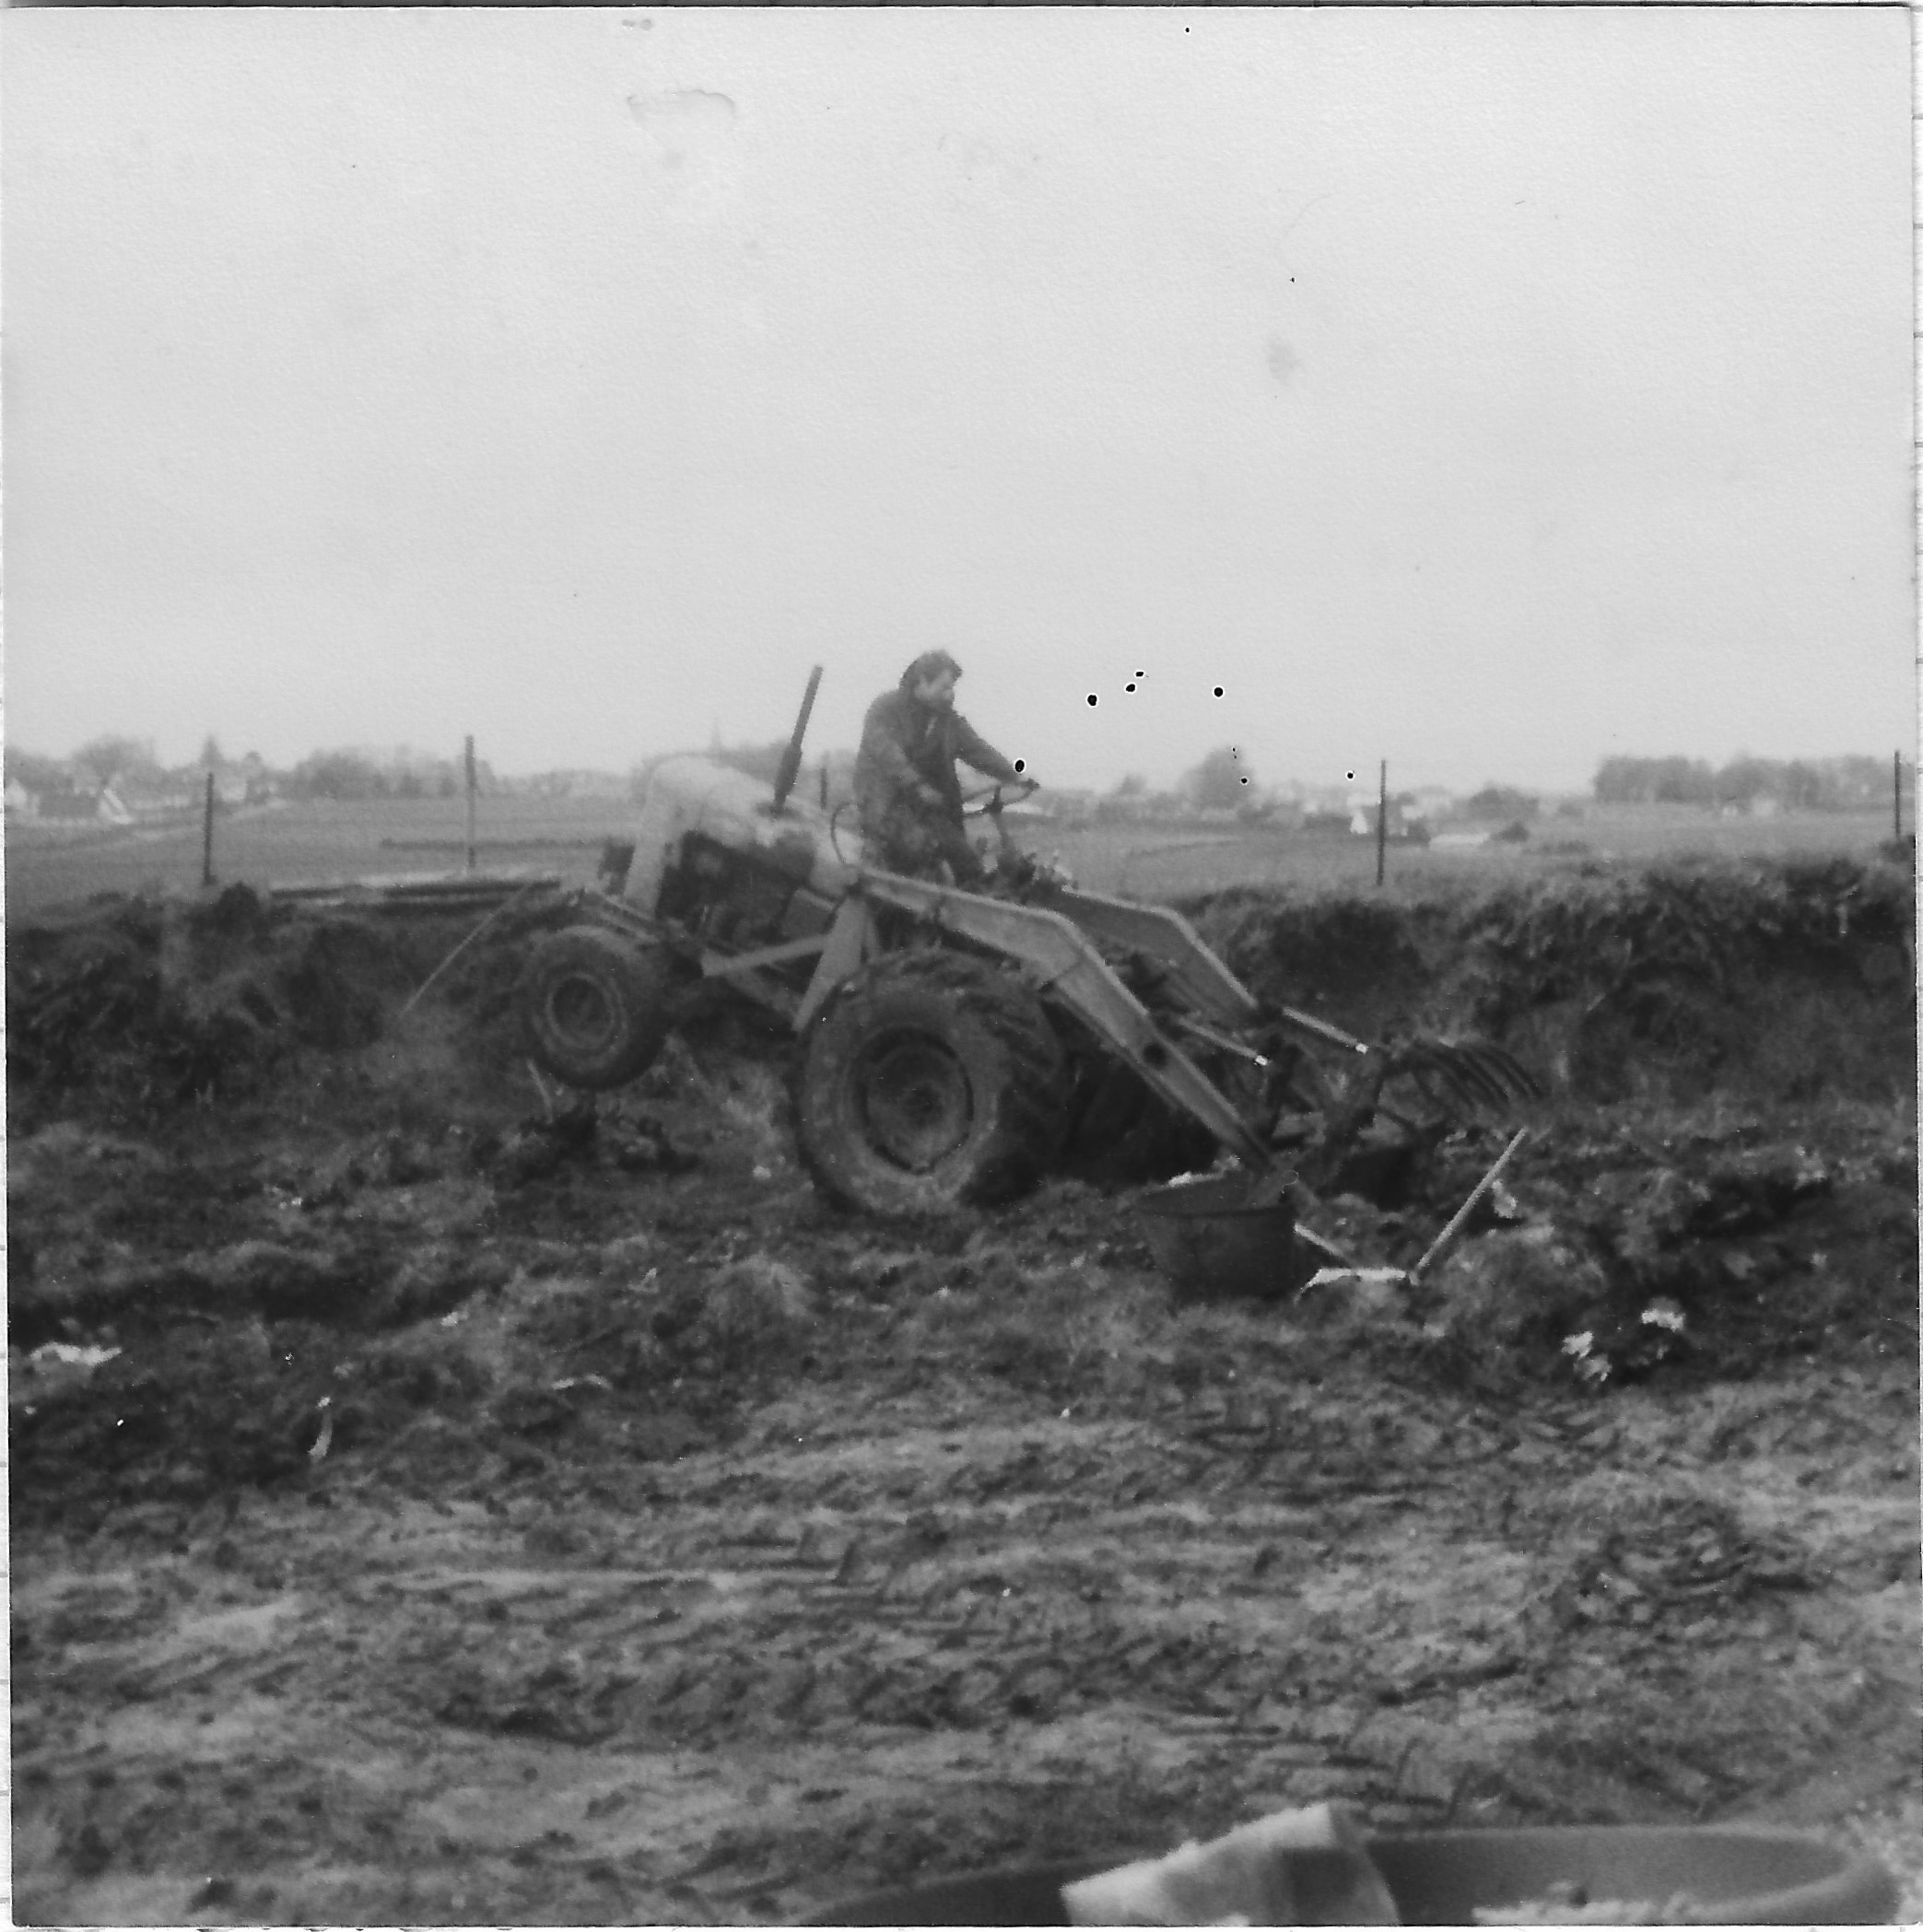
[132, 764]
[401, 773]
[1223, 779]
[1843, 784]
[102, 761]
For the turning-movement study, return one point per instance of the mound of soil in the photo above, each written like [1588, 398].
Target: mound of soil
[1767, 982]
[146, 1006]
[131, 1009]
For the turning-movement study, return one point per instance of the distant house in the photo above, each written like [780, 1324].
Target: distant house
[77, 806]
[1403, 823]
[127, 804]
[259, 780]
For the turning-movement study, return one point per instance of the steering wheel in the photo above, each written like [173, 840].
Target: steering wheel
[988, 801]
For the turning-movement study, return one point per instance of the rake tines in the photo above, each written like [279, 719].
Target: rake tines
[1466, 1075]
[1459, 1076]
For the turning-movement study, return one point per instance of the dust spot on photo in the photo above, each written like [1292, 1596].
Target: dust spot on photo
[682, 114]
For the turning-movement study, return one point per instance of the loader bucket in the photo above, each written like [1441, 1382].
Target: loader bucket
[1213, 1246]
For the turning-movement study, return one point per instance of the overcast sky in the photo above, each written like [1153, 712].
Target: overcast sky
[1489, 391]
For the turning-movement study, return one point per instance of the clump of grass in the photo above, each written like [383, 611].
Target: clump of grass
[754, 1313]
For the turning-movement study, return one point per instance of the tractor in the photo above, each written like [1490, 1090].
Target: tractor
[953, 1046]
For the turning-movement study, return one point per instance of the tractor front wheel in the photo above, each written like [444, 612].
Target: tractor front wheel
[594, 1008]
[934, 1081]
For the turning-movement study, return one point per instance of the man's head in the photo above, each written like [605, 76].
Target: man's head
[930, 679]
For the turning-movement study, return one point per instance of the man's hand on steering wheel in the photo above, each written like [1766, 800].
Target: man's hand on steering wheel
[988, 801]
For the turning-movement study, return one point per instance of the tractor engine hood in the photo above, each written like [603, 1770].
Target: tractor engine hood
[694, 794]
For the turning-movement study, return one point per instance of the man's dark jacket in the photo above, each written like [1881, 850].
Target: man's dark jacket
[905, 743]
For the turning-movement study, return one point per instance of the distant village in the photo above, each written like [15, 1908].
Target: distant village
[119, 782]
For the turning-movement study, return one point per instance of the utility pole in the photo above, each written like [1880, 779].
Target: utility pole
[206, 838]
[1382, 825]
[470, 761]
[1896, 798]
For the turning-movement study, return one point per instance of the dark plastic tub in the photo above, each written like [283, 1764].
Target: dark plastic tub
[1210, 1243]
[1735, 1876]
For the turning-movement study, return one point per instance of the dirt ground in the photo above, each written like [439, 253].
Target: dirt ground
[435, 1503]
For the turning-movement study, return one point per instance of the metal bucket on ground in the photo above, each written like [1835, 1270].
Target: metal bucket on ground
[1209, 1241]
[1733, 1876]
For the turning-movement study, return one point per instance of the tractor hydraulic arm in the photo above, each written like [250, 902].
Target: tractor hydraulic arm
[1165, 937]
[1321, 1030]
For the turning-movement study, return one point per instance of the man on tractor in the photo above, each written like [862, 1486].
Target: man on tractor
[906, 789]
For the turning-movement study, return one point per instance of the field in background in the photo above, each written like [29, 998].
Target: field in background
[313, 843]
[1147, 863]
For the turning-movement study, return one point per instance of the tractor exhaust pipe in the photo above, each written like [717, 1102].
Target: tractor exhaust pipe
[790, 764]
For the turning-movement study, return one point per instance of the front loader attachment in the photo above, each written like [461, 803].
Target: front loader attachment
[1057, 945]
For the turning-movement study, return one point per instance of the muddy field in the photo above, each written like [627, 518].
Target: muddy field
[434, 1503]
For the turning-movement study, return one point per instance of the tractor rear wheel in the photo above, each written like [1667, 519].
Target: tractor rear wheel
[594, 1008]
[932, 1082]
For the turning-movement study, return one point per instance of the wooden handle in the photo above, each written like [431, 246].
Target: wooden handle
[1446, 1238]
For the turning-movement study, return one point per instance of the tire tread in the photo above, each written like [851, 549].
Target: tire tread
[1036, 1106]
